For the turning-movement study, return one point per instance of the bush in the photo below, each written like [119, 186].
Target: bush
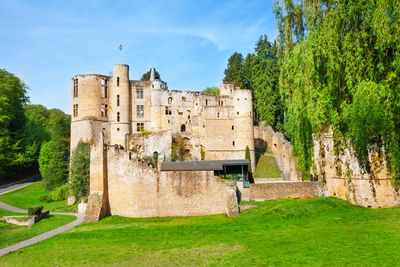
[35, 210]
[80, 171]
[58, 194]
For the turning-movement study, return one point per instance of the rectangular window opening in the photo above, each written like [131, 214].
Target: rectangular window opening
[117, 81]
[117, 100]
[140, 111]
[140, 126]
[139, 93]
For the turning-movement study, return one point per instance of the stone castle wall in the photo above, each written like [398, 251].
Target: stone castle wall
[276, 190]
[129, 187]
[282, 150]
[342, 177]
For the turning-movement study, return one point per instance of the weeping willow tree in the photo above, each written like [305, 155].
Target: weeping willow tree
[340, 68]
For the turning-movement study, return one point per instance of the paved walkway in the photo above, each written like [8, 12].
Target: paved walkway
[14, 186]
[38, 238]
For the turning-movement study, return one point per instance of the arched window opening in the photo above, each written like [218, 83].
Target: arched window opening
[169, 100]
[183, 128]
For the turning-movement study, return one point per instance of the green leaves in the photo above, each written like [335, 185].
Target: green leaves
[80, 171]
[343, 73]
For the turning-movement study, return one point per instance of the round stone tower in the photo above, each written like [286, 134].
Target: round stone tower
[156, 110]
[120, 101]
[87, 101]
[243, 123]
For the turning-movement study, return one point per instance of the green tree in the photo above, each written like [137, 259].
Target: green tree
[80, 171]
[340, 69]
[212, 90]
[56, 171]
[234, 70]
[146, 76]
[247, 156]
[13, 155]
[265, 82]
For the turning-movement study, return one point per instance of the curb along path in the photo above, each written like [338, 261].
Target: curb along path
[43, 236]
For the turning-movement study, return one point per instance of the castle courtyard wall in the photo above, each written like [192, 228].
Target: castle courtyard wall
[137, 190]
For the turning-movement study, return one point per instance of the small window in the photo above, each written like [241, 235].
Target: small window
[237, 113]
[152, 86]
[183, 128]
[206, 102]
[75, 110]
[139, 93]
[169, 100]
[180, 113]
[104, 110]
[218, 115]
[140, 126]
[183, 98]
[233, 127]
[104, 84]
[245, 98]
[117, 81]
[140, 111]
[118, 129]
[117, 100]
[76, 87]
[188, 116]
[233, 143]
[118, 116]
[168, 111]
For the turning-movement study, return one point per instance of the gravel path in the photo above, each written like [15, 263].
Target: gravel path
[38, 238]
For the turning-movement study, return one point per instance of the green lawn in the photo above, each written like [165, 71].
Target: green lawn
[312, 232]
[11, 234]
[266, 167]
[29, 196]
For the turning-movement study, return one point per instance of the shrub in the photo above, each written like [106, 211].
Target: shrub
[35, 210]
[80, 171]
[58, 194]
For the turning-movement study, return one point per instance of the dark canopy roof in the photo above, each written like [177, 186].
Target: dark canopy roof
[203, 165]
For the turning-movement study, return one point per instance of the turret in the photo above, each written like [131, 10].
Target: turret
[120, 101]
[243, 123]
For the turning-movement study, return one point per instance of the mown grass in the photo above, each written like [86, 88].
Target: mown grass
[11, 234]
[266, 167]
[30, 196]
[312, 232]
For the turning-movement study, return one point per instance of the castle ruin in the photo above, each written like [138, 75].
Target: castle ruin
[127, 121]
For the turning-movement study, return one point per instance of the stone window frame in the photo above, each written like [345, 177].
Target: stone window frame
[139, 93]
[104, 110]
[168, 110]
[75, 91]
[75, 110]
[140, 111]
[140, 126]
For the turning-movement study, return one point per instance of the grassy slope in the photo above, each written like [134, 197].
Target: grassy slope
[322, 231]
[29, 196]
[266, 167]
[11, 234]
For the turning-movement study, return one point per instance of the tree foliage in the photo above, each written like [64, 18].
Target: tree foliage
[259, 72]
[56, 172]
[146, 76]
[80, 171]
[340, 69]
[212, 90]
[234, 70]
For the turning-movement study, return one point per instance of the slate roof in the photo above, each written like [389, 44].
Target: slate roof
[202, 165]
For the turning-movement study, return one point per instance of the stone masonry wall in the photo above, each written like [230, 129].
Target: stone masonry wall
[282, 150]
[137, 190]
[276, 190]
[342, 176]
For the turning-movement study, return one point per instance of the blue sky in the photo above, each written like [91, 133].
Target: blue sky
[45, 43]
